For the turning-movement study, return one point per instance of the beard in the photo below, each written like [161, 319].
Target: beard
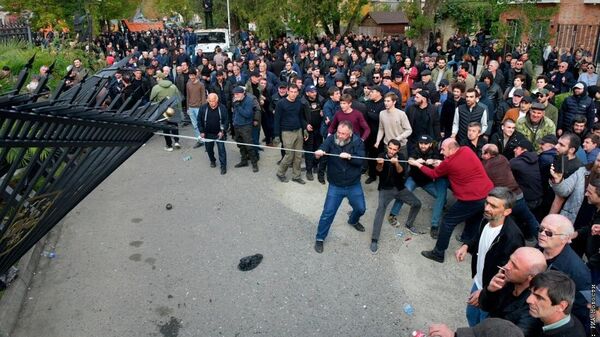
[341, 142]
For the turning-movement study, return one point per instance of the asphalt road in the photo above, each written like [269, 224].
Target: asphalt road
[126, 266]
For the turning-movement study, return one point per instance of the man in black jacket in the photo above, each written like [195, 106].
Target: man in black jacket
[506, 295]
[212, 124]
[343, 174]
[497, 240]
[507, 139]
[449, 107]
[526, 170]
[551, 300]
[391, 186]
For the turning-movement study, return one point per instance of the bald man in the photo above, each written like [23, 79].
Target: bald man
[506, 295]
[470, 185]
[554, 239]
[212, 124]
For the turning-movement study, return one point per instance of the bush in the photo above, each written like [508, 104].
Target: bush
[16, 55]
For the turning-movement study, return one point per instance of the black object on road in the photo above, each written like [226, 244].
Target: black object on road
[250, 262]
[168, 206]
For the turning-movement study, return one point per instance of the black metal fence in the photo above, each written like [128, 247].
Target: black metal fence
[55, 152]
[15, 32]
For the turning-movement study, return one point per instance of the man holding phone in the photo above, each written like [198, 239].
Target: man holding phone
[566, 162]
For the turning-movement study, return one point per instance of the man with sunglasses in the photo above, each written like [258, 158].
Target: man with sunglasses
[554, 240]
[563, 80]
[543, 96]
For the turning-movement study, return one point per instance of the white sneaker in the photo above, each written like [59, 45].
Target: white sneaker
[168, 149]
[177, 146]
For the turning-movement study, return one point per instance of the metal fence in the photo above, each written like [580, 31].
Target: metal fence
[15, 32]
[55, 152]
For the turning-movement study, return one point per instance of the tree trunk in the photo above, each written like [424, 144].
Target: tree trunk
[336, 26]
[354, 16]
[326, 27]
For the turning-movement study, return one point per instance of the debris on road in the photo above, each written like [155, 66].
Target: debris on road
[250, 262]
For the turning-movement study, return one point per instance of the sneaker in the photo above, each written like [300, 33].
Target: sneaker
[358, 226]
[319, 246]
[321, 179]
[309, 176]
[432, 256]
[373, 247]
[213, 164]
[254, 168]
[369, 180]
[393, 221]
[223, 170]
[433, 232]
[283, 179]
[299, 181]
[413, 230]
[198, 144]
[241, 164]
[177, 146]
[168, 149]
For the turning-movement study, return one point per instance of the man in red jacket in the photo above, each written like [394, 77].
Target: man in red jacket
[470, 185]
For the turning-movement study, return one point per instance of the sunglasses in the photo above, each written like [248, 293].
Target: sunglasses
[547, 232]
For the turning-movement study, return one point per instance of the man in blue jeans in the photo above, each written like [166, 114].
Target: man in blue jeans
[343, 174]
[437, 188]
[212, 123]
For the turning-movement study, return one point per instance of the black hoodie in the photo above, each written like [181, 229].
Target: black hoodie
[527, 174]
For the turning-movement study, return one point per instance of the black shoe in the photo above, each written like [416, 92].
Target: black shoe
[319, 247]
[279, 161]
[413, 230]
[213, 164]
[299, 181]
[198, 144]
[241, 164]
[223, 170]
[358, 226]
[321, 179]
[373, 247]
[432, 256]
[433, 232]
[254, 168]
[309, 176]
[283, 179]
[369, 180]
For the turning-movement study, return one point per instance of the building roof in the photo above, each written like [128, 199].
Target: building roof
[143, 26]
[387, 18]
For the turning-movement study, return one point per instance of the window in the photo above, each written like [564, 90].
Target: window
[211, 37]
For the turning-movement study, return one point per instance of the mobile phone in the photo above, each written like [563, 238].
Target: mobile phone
[560, 168]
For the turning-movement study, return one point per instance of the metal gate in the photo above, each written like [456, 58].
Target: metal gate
[55, 152]
[572, 36]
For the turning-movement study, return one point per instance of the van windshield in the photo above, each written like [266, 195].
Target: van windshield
[211, 37]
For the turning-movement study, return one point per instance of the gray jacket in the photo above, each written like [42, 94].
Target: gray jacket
[573, 189]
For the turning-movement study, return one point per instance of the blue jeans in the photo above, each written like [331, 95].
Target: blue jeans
[190, 50]
[210, 149]
[471, 212]
[193, 113]
[335, 195]
[474, 314]
[437, 189]
[523, 216]
[256, 139]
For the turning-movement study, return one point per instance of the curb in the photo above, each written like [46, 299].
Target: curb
[14, 296]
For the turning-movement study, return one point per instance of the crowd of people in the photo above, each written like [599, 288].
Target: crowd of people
[525, 172]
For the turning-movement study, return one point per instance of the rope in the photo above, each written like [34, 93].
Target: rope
[205, 140]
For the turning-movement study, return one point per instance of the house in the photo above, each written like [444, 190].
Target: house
[383, 23]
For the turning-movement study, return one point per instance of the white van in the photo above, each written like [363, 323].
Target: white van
[209, 39]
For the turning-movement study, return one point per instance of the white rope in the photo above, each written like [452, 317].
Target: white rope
[205, 140]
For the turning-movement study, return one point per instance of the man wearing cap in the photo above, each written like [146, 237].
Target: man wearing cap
[290, 130]
[551, 301]
[403, 88]
[577, 104]
[313, 110]
[526, 170]
[397, 64]
[517, 113]
[426, 154]
[506, 295]
[545, 159]
[467, 113]
[542, 96]
[535, 125]
[165, 89]
[490, 327]
[470, 185]
[428, 85]
[244, 110]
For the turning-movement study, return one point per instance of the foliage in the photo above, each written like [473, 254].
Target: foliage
[16, 54]
[420, 23]
[267, 14]
[469, 15]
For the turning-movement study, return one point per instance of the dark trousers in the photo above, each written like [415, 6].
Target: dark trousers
[243, 134]
[210, 150]
[313, 143]
[267, 121]
[175, 133]
[372, 152]
[471, 212]
[208, 20]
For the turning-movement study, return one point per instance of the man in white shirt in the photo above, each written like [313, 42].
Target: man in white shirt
[497, 240]
[393, 123]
